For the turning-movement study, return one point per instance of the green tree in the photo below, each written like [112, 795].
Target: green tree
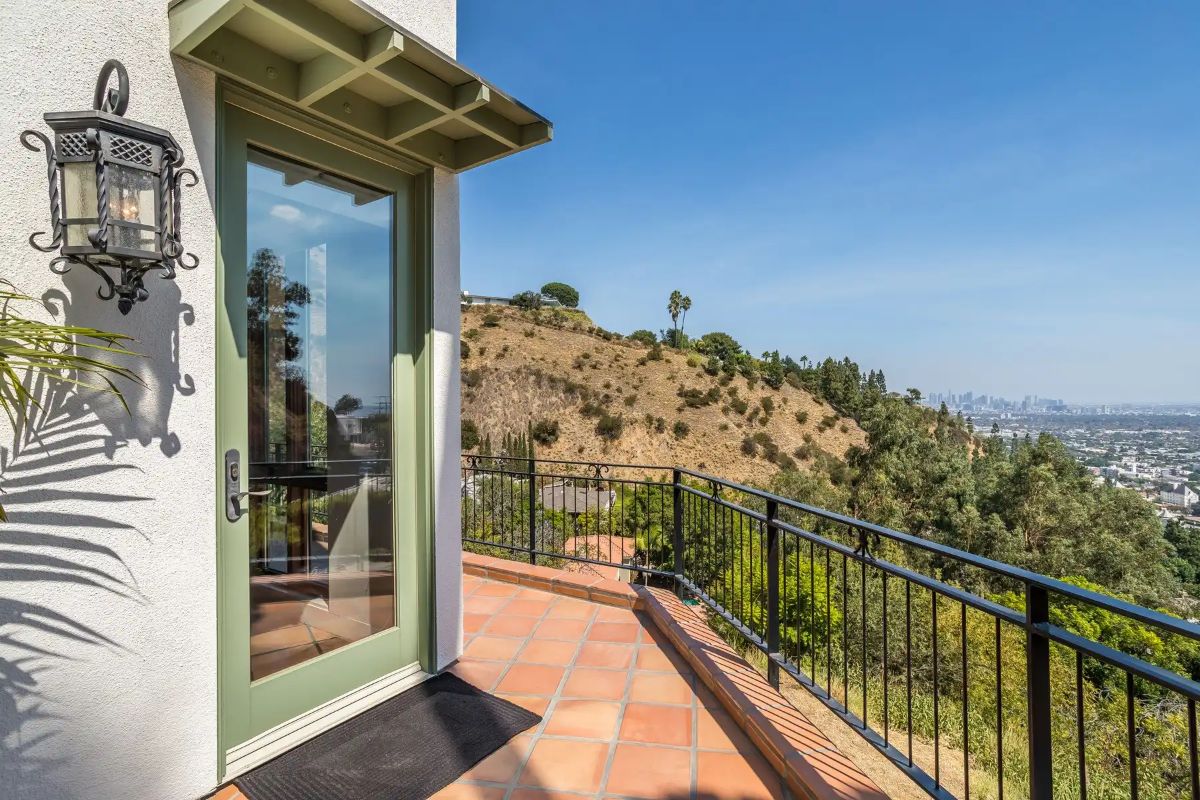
[347, 404]
[674, 309]
[563, 293]
[527, 301]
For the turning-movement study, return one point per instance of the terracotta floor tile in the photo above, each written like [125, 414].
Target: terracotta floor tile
[543, 794]
[650, 772]
[531, 679]
[613, 632]
[605, 654]
[572, 609]
[228, 793]
[661, 659]
[483, 605]
[565, 764]
[716, 730]
[502, 765]
[473, 623]
[612, 614]
[480, 674]
[497, 590]
[589, 719]
[529, 702]
[720, 776]
[661, 687]
[597, 684]
[657, 724]
[506, 625]
[493, 648]
[545, 651]
[564, 629]
[527, 608]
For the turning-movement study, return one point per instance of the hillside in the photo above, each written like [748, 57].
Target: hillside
[520, 368]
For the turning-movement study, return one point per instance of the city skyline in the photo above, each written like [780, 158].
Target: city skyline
[1006, 198]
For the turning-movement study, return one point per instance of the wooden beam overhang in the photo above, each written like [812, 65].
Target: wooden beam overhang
[346, 63]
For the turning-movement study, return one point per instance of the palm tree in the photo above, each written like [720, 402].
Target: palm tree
[684, 304]
[65, 355]
[674, 306]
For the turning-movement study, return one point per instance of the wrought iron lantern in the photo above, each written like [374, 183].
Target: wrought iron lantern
[114, 194]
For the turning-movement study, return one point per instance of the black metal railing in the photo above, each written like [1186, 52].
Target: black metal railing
[971, 675]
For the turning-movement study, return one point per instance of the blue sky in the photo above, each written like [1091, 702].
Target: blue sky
[999, 197]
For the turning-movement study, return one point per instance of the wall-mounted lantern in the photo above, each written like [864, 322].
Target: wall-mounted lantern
[114, 194]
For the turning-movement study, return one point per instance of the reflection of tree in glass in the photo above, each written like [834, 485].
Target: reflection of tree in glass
[347, 404]
[273, 304]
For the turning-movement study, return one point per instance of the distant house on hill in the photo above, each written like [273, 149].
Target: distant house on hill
[1178, 494]
[576, 499]
[469, 299]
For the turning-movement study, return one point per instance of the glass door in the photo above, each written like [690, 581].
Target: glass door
[320, 346]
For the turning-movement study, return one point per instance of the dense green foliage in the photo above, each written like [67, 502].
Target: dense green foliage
[563, 293]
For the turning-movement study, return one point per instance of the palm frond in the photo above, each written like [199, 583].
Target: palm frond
[65, 355]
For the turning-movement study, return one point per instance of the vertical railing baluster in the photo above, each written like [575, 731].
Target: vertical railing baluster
[532, 512]
[908, 696]
[677, 526]
[772, 593]
[862, 633]
[1193, 756]
[845, 636]
[966, 725]
[1079, 734]
[1037, 681]
[937, 722]
[828, 629]
[999, 719]
[1131, 730]
[812, 608]
[886, 711]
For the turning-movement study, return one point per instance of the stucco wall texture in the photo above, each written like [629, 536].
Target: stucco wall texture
[108, 664]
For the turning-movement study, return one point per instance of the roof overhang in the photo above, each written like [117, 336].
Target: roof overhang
[348, 64]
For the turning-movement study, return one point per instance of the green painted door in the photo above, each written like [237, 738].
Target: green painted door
[322, 333]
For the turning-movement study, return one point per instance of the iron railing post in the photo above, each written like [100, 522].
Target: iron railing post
[773, 595]
[532, 512]
[677, 526]
[1037, 681]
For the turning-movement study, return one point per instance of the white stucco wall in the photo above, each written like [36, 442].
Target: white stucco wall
[108, 664]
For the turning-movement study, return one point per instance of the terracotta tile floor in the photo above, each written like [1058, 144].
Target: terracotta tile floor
[622, 714]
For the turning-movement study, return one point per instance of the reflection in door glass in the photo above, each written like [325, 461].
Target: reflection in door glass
[318, 332]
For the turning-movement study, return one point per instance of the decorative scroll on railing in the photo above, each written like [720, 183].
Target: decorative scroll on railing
[974, 677]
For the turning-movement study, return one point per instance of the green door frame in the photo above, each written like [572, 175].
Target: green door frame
[245, 710]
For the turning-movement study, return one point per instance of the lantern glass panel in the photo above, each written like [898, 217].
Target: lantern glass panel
[79, 193]
[131, 195]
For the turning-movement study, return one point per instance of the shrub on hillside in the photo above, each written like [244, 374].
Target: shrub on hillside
[464, 349]
[768, 405]
[469, 435]
[472, 333]
[591, 408]
[739, 405]
[680, 429]
[827, 422]
[802, 417]
[491, 320]
[527, 301]
[564, 293]
[643, 336]
[472, 378]
[544, 431]
[656, 353]
[609, 427]
[749, 448]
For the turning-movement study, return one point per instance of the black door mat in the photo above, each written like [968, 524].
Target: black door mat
[406, 748]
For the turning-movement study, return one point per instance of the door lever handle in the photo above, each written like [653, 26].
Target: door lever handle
[233, 487]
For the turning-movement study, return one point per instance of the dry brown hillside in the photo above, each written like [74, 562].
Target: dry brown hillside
[523, 367]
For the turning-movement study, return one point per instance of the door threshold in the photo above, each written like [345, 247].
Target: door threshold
[283, 737]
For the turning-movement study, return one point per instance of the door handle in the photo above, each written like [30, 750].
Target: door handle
[233, 487]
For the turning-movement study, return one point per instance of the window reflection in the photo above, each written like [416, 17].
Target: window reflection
[318, 295]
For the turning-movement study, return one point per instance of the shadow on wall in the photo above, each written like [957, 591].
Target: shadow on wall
[62, 547]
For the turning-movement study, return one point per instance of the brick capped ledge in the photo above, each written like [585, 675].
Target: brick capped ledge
[808, 761]
[572, 584]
